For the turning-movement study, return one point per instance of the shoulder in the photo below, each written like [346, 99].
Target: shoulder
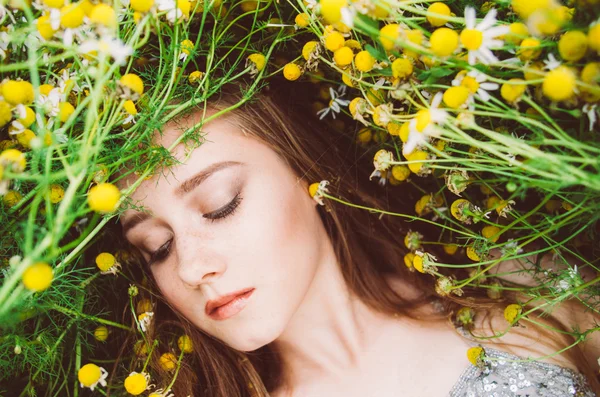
[524, 341]
[571, 312]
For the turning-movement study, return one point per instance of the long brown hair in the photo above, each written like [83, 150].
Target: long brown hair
[368, 247]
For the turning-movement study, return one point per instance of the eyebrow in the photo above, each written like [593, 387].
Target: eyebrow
[186, 187]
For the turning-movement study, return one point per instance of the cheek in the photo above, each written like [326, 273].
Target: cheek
[283, 245]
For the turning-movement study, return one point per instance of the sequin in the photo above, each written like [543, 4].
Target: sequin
[501, 377]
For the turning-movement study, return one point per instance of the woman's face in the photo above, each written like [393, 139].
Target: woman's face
[271, 238]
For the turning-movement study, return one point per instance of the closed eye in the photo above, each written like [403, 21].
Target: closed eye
[163, 252]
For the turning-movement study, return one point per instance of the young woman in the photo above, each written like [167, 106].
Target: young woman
[282, 296]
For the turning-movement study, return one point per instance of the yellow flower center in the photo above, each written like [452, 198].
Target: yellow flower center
[258, 60]
[38, 276]
[133, 82]
[101, 333]
[291, 71]
[45, 27]
[417, 166]
[518, 31]
[141, 5]
[25, 137]
[471, 39]
[71, 15]
[511, 312]
[388, 35]
[334, 41]
[573, 45]
[331, 10]
[443, 42]
[129, 107]
[400, 172]
[302, 20]
[11, 198]
[524, 8]
[15, 158]
[56, 193]
[512, 90]
[530, 49]
[103, 14]
[185, 343]
[364, 61]
[404, 132]
[455, 97]
[105, 261]
[474, 354]
[89, 374]
[559, 84]
[17, 92]
[438, 8]
[5, 113]
[491, 233]
[402, 68]
[418, 263]
[423, 119]
[195, 76]
[65, 110]
[29, 117]
[471, 83]
[472, 254]
[343, 56]
[54, 3]
[136, 384]
[168, 361]
[104, 197]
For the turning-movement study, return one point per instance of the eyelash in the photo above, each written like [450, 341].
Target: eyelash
[228, 210]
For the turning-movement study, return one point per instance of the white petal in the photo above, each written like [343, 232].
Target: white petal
[470, 16]
[496, 31]
[483, 95]
[488, 21]
[472, 57]
[488, 55]
[493, 44]
[332, 93]
[437, 99]
[489, 86]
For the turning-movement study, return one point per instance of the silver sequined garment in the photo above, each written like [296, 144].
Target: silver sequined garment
[500, 377]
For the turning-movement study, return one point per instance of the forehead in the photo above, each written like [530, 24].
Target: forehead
[221, 139]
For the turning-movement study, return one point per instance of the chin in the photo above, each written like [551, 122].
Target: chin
[248, 339]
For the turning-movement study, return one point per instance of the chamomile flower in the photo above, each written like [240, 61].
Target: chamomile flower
[551, 62]
[50, 104]
[161, 393]
[316, 191]
[174, 12]
[475, 81]
[90, 375]
[424, 125]
[109, 46]
[335, 102]
[137, 383]
[145, 320]
[107, 263]
[480, 39]
[382, 162]
[187, 46]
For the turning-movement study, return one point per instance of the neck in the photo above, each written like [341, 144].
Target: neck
[331, 330]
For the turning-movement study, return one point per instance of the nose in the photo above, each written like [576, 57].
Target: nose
[199, 261]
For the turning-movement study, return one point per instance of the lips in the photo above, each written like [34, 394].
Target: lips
[213, 305]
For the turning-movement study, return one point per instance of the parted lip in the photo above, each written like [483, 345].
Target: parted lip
[214, 304]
